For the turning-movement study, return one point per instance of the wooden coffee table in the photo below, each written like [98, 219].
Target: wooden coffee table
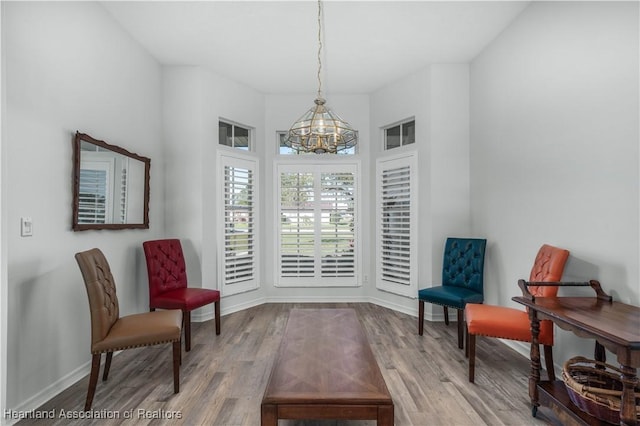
[325, 369]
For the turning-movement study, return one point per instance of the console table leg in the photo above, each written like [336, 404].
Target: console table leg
[628, 401]
[534, 376]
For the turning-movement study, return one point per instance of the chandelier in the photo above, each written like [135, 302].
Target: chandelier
[320, 130]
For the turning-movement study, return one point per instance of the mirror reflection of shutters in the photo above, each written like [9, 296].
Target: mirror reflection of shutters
[123, 192]
[92, 205]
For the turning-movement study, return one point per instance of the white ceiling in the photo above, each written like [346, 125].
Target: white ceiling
[272, 45]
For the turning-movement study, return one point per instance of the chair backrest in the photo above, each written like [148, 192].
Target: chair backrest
[463, 263]
[101, 291]
[548, 267]
[166, 268]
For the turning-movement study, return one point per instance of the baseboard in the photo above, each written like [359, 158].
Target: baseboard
[226, 309]
[316, 299]
[393, 306]
[48, 393]
[524, 349]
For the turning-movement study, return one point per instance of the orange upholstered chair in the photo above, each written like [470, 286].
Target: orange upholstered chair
[168, 288]
[514, 324]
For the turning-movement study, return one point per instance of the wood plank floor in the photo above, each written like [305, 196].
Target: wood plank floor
[223, 377]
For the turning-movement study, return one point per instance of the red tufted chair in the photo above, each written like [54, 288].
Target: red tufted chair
[168, 284]
[514, 324]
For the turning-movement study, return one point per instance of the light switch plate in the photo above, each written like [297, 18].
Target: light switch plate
[26, 227]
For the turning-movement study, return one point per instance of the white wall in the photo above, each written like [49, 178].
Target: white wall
[194, 100]
[554, 149]
[68, 67]
[438, 98]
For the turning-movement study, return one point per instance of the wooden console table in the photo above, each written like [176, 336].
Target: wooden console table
[614, 325]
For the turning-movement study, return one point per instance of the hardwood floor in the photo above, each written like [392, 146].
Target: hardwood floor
[223, 377]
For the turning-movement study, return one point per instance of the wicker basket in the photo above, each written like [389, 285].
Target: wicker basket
[595, 387]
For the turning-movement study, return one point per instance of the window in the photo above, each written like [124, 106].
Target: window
[396, 207]
[283, 149]
[238, 221]
[234, 135]
[400, 134]
[317, 234]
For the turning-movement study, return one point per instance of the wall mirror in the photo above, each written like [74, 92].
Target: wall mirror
[110, 186]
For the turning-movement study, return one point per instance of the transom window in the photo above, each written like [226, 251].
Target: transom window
[283, 149]
[400, 134]
[234, 135]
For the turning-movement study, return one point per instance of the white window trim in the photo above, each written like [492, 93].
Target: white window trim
[386, 162]
[328, 163]
[239, 159]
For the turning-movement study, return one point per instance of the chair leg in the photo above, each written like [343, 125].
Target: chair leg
[93, 380]
[107, 366]
[186, 319]
[177, 356]
[548, 361]
[216, 308]
[446, 315]
[420, 317]
[460, 329]
[471, 343]
[466, 336]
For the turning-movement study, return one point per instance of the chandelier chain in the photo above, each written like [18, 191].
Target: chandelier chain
[319, 130]
[319, 48]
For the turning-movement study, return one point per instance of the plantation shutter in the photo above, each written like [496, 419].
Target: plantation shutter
[317, 233]
[239, 225]
[396, 230]
[337, 229]
[297, 215]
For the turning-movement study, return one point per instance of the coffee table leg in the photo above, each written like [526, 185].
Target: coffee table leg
[385, 415]
[268, 415]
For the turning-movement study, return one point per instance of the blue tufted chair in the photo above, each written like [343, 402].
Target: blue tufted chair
[462, 281]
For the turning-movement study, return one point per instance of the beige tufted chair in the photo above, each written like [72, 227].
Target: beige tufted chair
[110, 332]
